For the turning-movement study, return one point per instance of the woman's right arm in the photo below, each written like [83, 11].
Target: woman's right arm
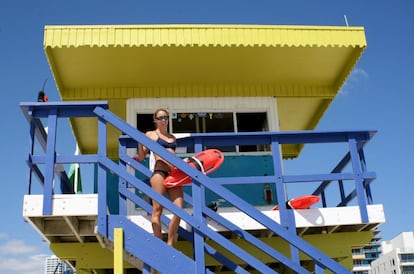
[142, 150]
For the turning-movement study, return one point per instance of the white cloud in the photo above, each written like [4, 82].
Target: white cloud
[17, 257]
[355, 81]
[34, 264]
[16, 247]
[360, 73]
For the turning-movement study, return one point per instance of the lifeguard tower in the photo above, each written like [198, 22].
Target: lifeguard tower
[256, 93]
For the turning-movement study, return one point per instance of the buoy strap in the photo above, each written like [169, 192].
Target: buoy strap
[198, 164]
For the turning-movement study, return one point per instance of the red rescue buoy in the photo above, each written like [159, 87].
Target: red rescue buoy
[302, 202]
[206, 161]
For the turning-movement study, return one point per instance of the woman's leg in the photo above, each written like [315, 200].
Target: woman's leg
[157, 184]
[177, 197]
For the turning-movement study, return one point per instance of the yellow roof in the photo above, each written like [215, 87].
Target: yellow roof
[304, 66]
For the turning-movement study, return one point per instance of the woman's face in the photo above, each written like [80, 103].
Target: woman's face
[161, 118]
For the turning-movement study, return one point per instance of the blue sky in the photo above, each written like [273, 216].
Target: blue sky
[378, 95]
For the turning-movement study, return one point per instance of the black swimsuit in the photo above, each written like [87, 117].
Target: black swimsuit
[163, 173]
[165, 144]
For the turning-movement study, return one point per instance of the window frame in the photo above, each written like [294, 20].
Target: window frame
[267, 105]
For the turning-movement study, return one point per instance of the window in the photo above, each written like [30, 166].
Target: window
[408, 269]
[202, 122]
[251, 122]
[206, 122]
[405, 258]
[145, 122]
[357, 251]
[209, 114]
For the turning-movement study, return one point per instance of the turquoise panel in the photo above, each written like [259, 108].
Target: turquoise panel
[233, 166]
[112, 190]
[241, 166]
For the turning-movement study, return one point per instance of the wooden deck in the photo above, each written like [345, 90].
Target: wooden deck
[74, 219]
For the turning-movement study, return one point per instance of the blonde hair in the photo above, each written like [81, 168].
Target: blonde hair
[158, 110]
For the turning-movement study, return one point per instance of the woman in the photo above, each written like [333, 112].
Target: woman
[161, 170]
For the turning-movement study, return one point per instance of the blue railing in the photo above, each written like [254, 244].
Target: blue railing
[197, 220]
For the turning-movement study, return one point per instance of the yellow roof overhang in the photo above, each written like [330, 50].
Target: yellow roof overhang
[303, 66]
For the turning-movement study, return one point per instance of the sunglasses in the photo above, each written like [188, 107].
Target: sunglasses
[160, 118]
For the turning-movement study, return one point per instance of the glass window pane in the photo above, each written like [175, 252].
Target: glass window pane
[219, 122]
[185, 123]
[204, 122]
[252, 122]
[145, 122]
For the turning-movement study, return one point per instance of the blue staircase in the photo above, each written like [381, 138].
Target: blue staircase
[153, 252]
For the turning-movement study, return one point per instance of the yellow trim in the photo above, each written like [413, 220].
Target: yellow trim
[118, 251]
[202, 35]
[276, 90]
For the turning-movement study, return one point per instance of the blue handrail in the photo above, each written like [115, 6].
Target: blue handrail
[355, 140]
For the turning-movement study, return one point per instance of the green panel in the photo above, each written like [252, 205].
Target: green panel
[112, 190]
[240, 166]
[233, 166]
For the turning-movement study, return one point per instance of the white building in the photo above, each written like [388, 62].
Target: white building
[54, 265]
[397, 255]
[362, 257]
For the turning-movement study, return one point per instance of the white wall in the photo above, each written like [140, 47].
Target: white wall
[205, 104]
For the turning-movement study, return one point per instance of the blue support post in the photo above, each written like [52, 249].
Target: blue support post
[287, 217]
[50, 162]
[29, 157]
[359, 182]
[364, 169]
[198, 198]
[122, 182]
[102, 187]
[198, 242]
[280, 186]
[341, 190]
